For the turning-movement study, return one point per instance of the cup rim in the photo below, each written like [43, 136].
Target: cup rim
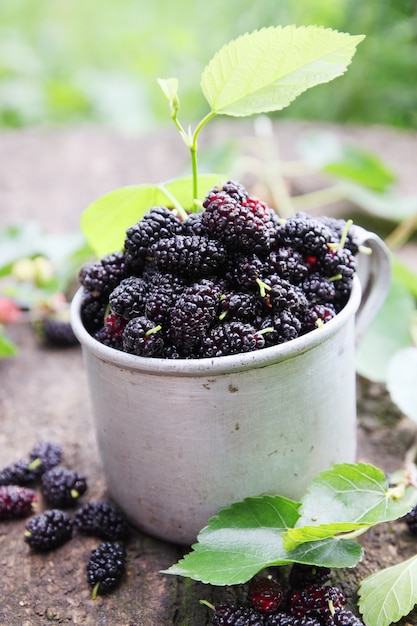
[213, 365]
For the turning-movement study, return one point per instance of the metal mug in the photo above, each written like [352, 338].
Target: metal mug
[180, 439]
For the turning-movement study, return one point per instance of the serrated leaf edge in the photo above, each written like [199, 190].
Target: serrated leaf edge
[235, 43]
[375, 580]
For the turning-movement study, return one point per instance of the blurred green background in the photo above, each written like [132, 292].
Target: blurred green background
[64, 62]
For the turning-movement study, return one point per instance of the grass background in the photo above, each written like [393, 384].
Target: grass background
[67, 61]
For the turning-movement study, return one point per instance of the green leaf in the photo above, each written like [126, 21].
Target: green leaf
[239, 541]
[28, 240]
[401, 381]
[7, 348]
[388, 333]
[18, 241]
[388, 595]
[348, 498]
[327, 552]
[105, 221]
[326, 152]
[247, 537]
[294, 537]
[170, 88]
[350, 493]
[267, 69]
[404, 275]
[264, 531]
[390, 205]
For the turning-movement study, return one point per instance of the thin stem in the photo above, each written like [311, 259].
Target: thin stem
[353, 534]
[180, 210]
[193, 151]
[402, 233]
[317, 198]
[273, 172]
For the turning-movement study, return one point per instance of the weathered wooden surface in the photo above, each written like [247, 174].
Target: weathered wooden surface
[50, 176]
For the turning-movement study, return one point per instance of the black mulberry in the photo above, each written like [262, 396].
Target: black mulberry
[281, 295]
[411, 520]
[338, 227]
[283, 619]
[193, 225]
[102, 520]
[306, 575]
[193, 314]
[143, 338]
[164, 289]
[101, 277]
[235, 615]
[62, 487]
[318, 289]
[158, 223]
[45, 455]
[343, 618]
[288, 264]
[105, 336]
[93, 309]
[189, 255]
[234, 190]
[18, 473]
[286, 326]
[239, 305]
[56, 332]
[106, 567]
[306, 234]
[128, 299]
[316, 601]
[315, 315]
[49, 530]
[231, 338]
[238, 226]
[244, 271]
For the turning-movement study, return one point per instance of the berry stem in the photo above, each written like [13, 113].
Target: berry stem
[153, 330]
[35, 464]
[263, 287]
[308, 201]
[178, 208]
[345, 233]
[95, 591]
[208, 604]
[402, 233]
[193, 151]
[268, 329]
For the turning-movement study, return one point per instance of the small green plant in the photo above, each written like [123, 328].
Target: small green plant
[259, 72]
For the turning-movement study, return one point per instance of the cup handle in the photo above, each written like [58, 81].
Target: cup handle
[374, 273]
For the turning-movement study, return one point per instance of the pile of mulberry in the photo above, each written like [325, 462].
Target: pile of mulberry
[304, 599]
[176, 286]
